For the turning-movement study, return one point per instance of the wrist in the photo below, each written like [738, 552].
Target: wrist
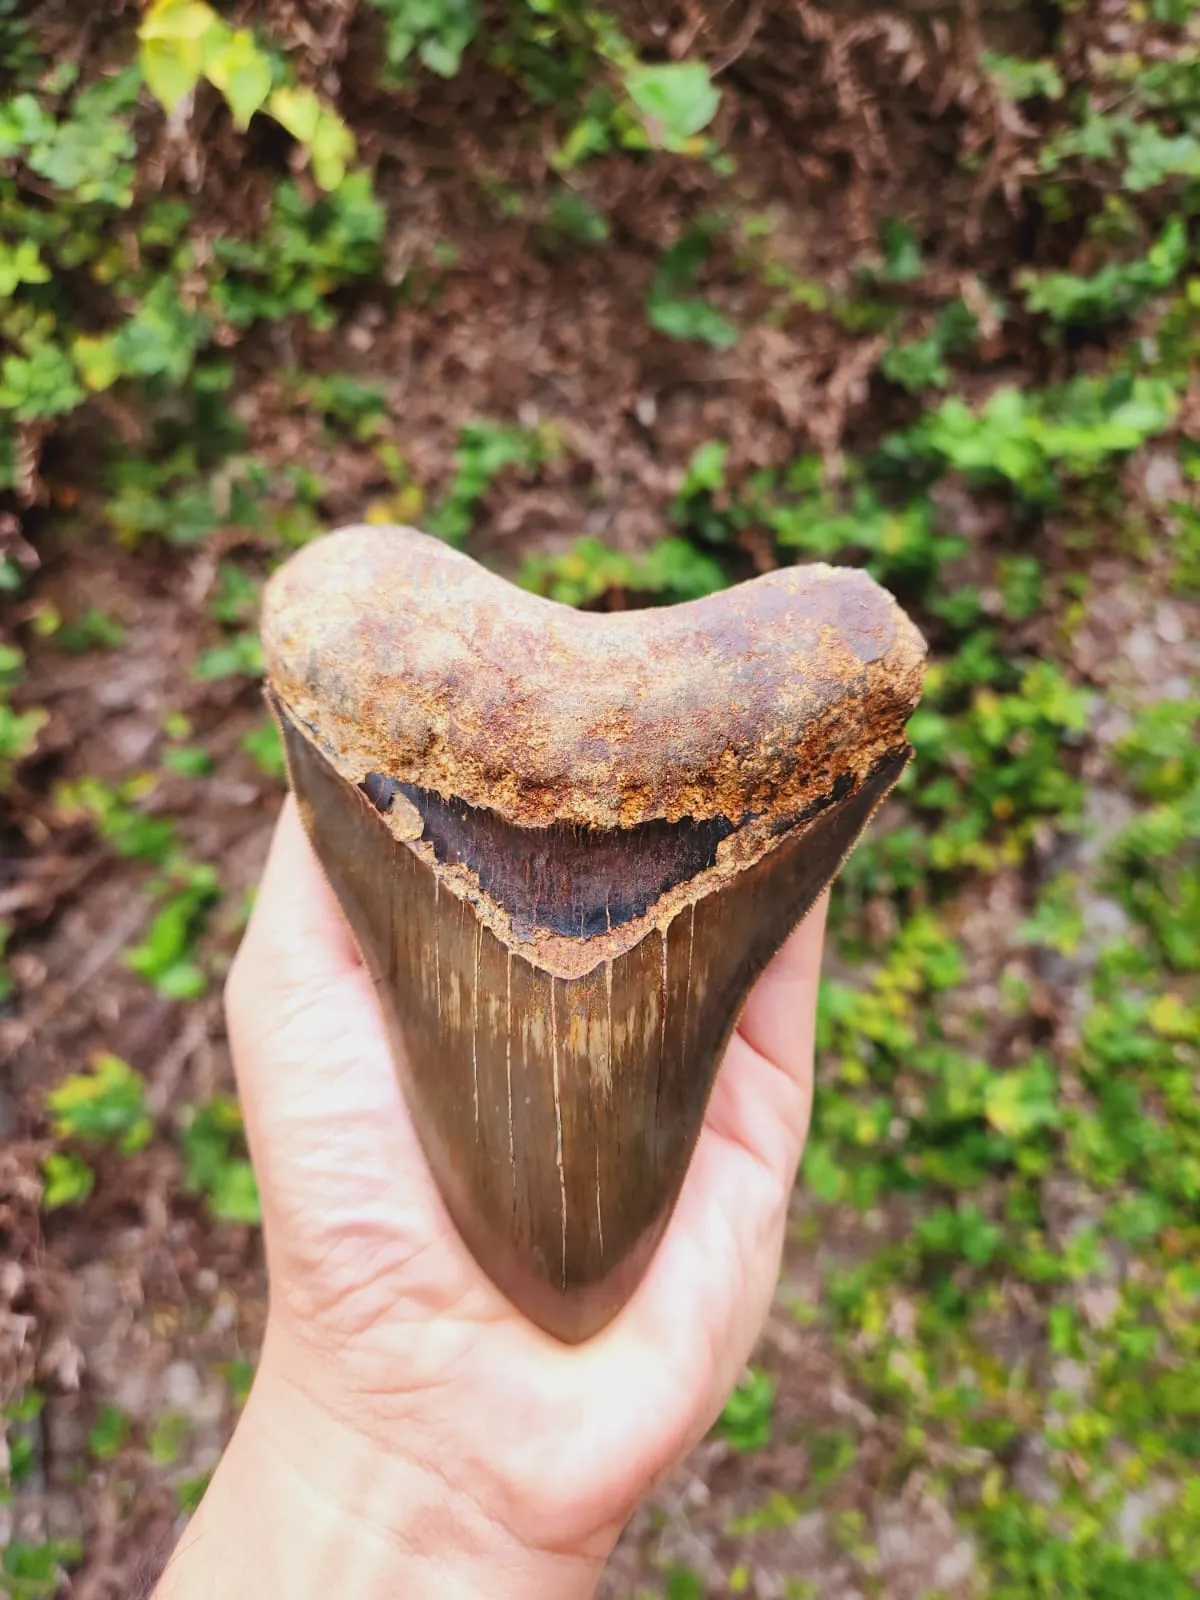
[302, 1506]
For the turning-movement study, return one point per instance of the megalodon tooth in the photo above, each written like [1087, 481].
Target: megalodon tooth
[566, 844]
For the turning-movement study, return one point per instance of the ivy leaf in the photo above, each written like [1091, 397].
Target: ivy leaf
[1018, 79]
[108, 1436]
[677, 100]
[297, 110]
[21, 264]
[172, 71]
[1154, 156]
[746, 1419]
[331, 148]
[235, 1195]
[215, 1166]
[39, 385]
[97, 360]
[901, 252]
[68, 1180]
[675, 312]
[174, 20]
[241, 71]
[173, 37]
[571, 214]
[692, 318]
[823, 1178]
[103, 1106]
[161, 338]
[329, 141]
[1019, 1103]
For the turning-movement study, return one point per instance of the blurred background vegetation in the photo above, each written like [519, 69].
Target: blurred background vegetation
[631, 303]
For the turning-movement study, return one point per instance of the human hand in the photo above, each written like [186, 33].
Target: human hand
[408, 1431]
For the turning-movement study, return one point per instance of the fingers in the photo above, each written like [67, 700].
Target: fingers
[779, 1018]
[298, 972]
[762, 1100]
[296, 917]
[308, 1041]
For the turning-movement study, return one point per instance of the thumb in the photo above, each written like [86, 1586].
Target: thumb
[329, 1132]
[303, 1020]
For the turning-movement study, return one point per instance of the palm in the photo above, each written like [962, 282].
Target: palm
[369, 1274]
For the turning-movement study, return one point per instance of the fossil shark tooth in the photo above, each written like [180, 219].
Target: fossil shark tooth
[566, 844]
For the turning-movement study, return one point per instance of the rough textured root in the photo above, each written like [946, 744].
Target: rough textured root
[582, 779]
[405, 658]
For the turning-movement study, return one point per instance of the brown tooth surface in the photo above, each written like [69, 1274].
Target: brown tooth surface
[565, 865]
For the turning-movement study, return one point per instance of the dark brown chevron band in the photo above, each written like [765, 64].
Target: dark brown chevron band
[566, 845]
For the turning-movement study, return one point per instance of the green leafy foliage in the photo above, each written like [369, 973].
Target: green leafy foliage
[18, 729]
[1139, 124]
[265, 748]
[168, 1437]
[1157, 856]
[183, 41]
[670, 571]
[239, 1377]
[306, 250]
[164, 956]
[240, 656]
[93, 629]
[651, 106]
[6, 986]
[67, 1180]
[746, 1419]
[436, 31]
[1034, 441]
[677, 101]
[684, 1584]
[902, 261]
[22, 1414]
[1023, 80]
[152, 315]
[87, 154]
[190, 1492]
[215, 1162]
[677, 312]
[998, 760]
[571, 216]
[37, 1571]
[921, 363]
[106, 1106]
[117, 811]
[898, 542]
[109, 1433]
[1117, 290]
[485, 450]
[1019, 1103]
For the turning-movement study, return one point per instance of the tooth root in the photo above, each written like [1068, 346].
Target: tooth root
[558, 1113]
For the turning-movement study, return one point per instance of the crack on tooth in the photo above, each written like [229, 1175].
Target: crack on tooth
[608, 1079]
[562, 1175]
[437, 940]
[512, 1150]
[687, 993]
[475, 1021]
